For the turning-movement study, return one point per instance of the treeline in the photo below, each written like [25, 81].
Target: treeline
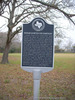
[66, 50]
[18, 49]
[16, 45]
[12, 50]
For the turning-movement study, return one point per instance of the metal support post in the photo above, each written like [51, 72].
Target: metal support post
[36, 77]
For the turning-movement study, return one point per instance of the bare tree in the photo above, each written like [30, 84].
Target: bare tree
[3, 4]
[19, 11]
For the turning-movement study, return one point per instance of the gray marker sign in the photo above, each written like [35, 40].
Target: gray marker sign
[37, 46]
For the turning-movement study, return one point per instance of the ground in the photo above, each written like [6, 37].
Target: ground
[58, 84]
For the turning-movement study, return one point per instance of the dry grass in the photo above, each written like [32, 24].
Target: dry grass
[16, 84]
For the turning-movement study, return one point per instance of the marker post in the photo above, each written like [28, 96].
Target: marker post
[36, 77]
[37, 50]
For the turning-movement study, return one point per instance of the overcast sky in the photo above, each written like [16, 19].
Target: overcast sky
[69, 29]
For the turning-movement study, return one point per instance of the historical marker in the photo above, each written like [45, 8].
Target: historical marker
[37, 46]
[37, 50]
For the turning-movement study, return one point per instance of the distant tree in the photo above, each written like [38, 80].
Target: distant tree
[15, 50]
[57, 49]
[73, 48]
[20, 11]
[68, 47]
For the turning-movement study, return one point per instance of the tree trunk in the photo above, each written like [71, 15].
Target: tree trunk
[5, 54]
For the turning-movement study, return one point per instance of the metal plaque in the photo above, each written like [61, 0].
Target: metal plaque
[37, 44]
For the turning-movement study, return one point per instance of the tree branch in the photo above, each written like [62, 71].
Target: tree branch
[4, 17]
[20, 3]
[55, 7]
[22, 19]
[15, 32]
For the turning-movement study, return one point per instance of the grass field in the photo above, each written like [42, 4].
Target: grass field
[59, 84]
